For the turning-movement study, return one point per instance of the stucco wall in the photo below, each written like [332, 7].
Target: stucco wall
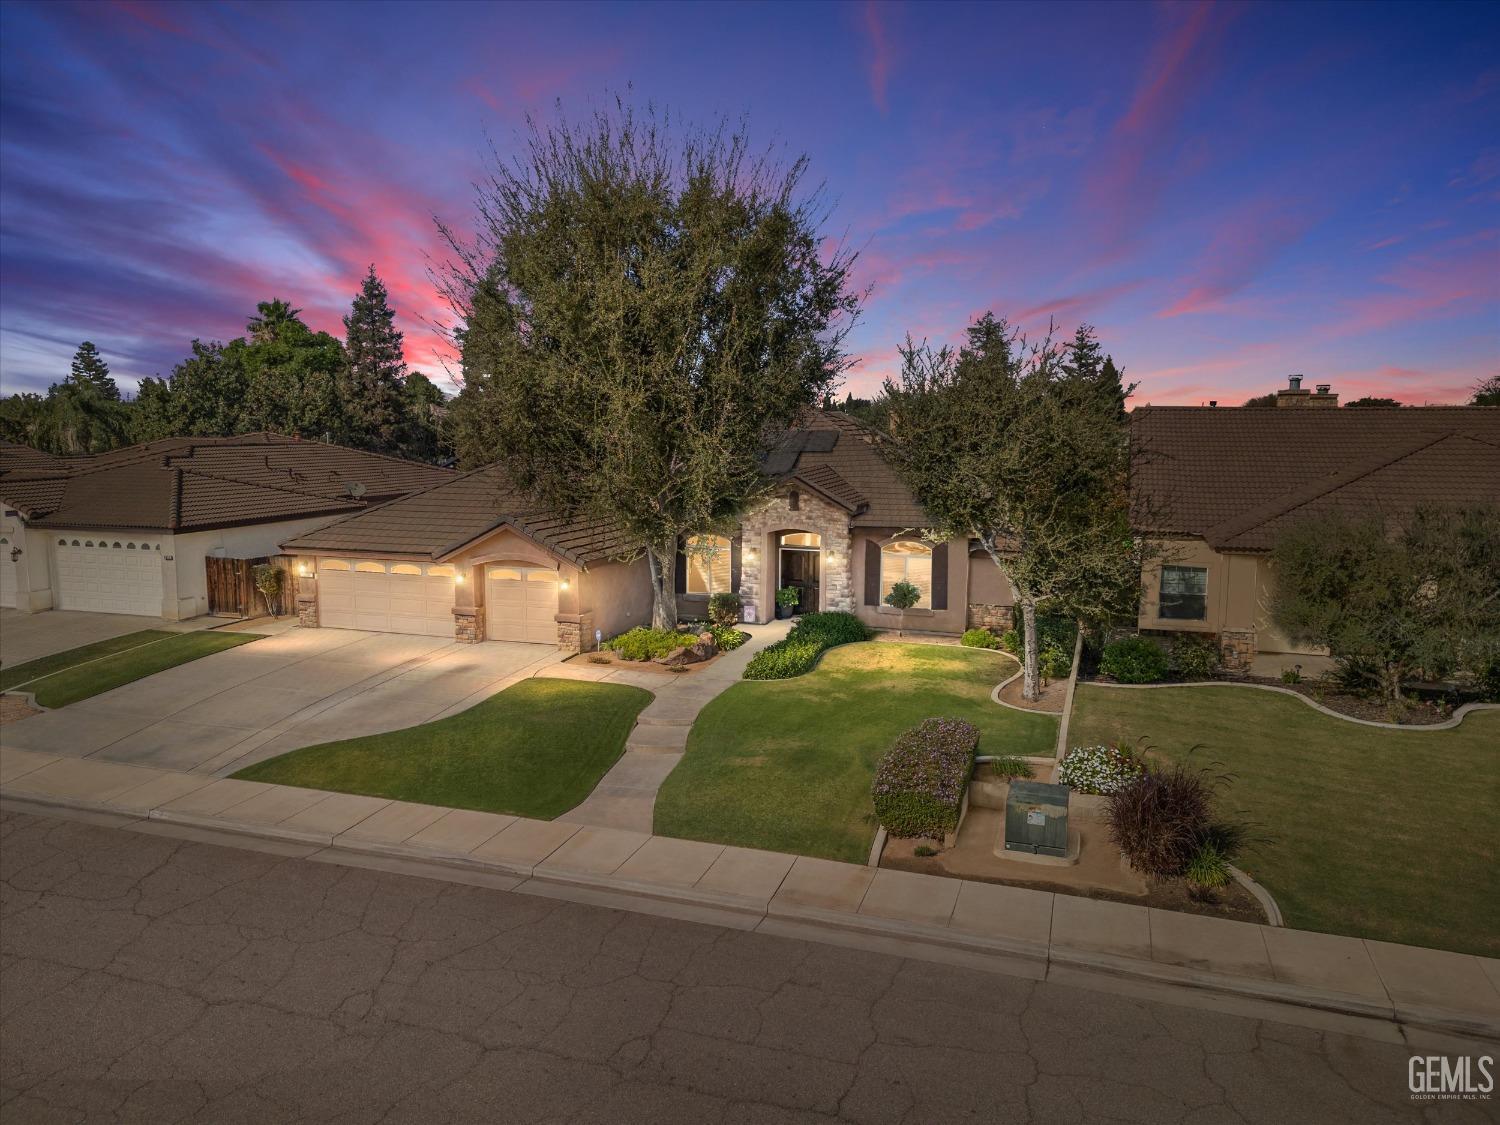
[952, 619]
[618, 596]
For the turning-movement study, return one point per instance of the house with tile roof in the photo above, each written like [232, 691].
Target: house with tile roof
[1218, 486]
[838, 526]
[129, 531]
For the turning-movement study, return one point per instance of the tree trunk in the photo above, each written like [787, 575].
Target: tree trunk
[1391, 681]
[1029, 660]
[663, 585]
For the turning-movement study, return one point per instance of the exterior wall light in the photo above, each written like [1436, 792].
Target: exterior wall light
[458, 578]
[563, 585]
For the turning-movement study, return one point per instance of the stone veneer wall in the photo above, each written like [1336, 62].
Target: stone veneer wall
[307, 601]
[835, 578]
[468, 624]
[1238, 648]
[987, 615]
[575, 633]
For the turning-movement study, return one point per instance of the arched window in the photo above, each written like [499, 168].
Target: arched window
[366, 567]
[907, 560]
[406, 568]
[707, 564]
[801, 539]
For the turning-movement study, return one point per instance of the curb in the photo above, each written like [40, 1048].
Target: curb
[904, 938]
[1262, 896]
[1446, 724]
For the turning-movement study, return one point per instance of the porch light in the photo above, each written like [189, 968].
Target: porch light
[458, 578]
[563, 585]
[302, 570]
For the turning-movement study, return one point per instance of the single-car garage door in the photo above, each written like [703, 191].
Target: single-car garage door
[385, 596]
[521, 604]
[109, 575]
[10, 539]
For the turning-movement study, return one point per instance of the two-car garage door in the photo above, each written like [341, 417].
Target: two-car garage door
[384, 596]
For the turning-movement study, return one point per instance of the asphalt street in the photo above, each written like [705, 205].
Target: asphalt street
[151, 979]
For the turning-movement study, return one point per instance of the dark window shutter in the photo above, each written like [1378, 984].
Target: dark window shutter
[734, 564]
[872, 572]
[680, 577]
[940, 576]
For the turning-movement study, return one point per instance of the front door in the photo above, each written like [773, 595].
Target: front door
[799, 569]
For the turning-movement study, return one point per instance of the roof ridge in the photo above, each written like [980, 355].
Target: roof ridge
[1222, 532]
[190, 471]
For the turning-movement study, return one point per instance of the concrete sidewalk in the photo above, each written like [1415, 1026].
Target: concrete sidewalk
[1373, 987]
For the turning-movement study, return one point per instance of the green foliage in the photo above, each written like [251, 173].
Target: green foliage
[725, 609]
[269, 580]
[1160, 820]
[642, 643]
[1369, 401]
[1389, 601]
[920, 783]
[788, 596]
[979, 638]
[902, 596]
[727, 637]
[1195, 657]
[1134, 660]
[800, 649]
[1291, 674]
[90, 372]
[924, 851]
[1207, 867]
[1054, 662]
[1011, 768]
[639, 307]
[1486, 392]
[372, 381]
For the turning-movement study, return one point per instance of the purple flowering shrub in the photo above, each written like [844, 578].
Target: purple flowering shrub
[920, 782]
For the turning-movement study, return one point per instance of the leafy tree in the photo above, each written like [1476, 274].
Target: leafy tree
[75, 419]
[423, 416]
[203, 397]
[1487, 392]
[20, 415]
[374, 405]
[870, 411]
[639, 309]
[1389, 596]
[292, 376]
[1001, 442]
[1261, 400]
[1370, 400]
[91, 372]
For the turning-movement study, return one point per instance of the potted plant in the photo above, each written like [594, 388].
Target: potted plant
[786, 600]
[903, 596]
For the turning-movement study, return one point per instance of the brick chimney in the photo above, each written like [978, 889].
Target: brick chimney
[1295, 394]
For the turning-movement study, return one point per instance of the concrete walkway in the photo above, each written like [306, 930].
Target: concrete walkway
[626, 796]
[1371, 988]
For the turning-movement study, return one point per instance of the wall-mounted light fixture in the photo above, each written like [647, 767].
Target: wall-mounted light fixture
[302, 570]
[458, 578]
[563, 585]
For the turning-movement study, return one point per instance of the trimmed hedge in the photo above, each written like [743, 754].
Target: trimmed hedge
[799, 651]
[979, 638]
[1134, 660]
[920, 783]
[642, 643]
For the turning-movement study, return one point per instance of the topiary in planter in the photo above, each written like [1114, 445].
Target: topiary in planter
[1134, 660]
[920, 783]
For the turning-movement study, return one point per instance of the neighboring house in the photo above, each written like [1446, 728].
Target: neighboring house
[128, 531]
[473, 559]
[1219, 485]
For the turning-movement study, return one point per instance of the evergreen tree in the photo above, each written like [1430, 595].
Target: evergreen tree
[1093, 372]
[92, 373]
[374, 405]
[422, 436]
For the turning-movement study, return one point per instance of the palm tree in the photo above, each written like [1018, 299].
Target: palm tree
[273, 317]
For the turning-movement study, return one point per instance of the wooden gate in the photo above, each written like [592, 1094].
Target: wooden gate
[231, 585]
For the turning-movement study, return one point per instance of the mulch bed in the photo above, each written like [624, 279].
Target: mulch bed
[1050, 700]
[14, 708]
[1351, 706]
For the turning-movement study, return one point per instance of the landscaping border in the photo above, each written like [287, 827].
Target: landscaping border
[1446, 724]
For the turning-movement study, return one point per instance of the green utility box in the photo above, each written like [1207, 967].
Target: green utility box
[1036, 818]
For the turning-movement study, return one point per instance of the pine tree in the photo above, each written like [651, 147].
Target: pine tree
[373, 395]
[92, 373]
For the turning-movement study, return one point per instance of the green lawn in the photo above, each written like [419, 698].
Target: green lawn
[786, 765]
[1382, 834]
[536, 749]
[92, 669]
[18, 674]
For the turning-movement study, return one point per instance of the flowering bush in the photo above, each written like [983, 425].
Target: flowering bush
[1098, 769]
[920, 783]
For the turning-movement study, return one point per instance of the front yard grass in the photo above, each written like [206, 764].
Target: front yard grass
[536, 749]
[97, 668]
[786, 765]
[1373, 833]
[18, 674]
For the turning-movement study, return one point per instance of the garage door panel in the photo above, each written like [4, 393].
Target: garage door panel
[521, 604]
[110, 576]
[383, 596]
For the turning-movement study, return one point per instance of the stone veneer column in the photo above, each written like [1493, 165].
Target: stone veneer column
[468, 624]
[575, 632]
[758, 574]
[307, 600]
[1238, 648]
[988, 615]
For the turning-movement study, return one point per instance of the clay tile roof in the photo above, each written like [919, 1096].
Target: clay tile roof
[440, 521]
[1236, 477]
[194, 484]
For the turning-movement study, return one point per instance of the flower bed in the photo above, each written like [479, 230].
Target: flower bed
[642, 643]
[1097, 770]
[920, 783]
[809, 638]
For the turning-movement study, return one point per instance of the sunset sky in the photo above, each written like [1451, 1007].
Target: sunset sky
[1229, 192]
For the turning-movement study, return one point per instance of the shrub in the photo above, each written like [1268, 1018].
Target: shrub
[979, 638]
[1053, 662]
[1098, 769]
[799, 651]
[788, 596]
[1054, 634]
[727, 637]
[1012, 768]
[1012, 642]
[1161, 819]
[924, 851]
[1196, 658]
[920, 782]
[1291, 674]
[642, 643]
[1134, 660]
[1207, 867]
[269, 579]
[903, 596]
[725, 609]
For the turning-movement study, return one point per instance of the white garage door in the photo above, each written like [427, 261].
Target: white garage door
[10, 538]
[109, 575]
[384, 596]
[521, 604]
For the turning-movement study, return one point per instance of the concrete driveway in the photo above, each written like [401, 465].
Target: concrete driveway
[301, 687]
[30, 636]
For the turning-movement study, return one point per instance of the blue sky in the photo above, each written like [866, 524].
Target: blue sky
[1229, 192]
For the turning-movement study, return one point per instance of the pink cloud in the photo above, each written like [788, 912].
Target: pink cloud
[1453, 277]
[1243, 245]
[879, 53]
[1082, 307]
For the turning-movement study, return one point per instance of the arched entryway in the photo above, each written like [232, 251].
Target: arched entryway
[799, 558]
